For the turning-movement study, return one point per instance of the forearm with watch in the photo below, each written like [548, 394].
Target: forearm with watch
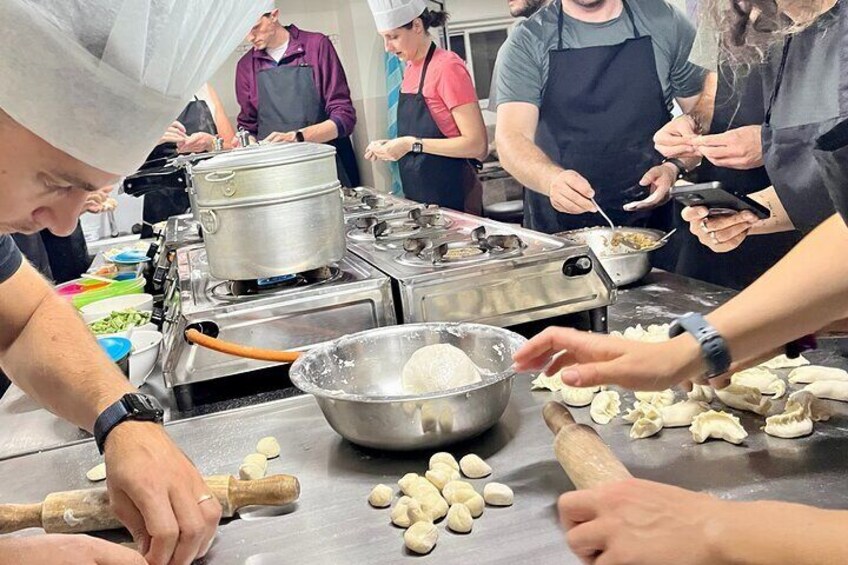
[321, 132]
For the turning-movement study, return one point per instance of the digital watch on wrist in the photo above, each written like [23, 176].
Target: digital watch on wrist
[133, 406]
[714, 349]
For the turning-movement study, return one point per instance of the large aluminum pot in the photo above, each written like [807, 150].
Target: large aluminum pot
[357, 383]
[270, 211]
[623, 264]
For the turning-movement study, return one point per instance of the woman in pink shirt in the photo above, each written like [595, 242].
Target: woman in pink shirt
[440, 126]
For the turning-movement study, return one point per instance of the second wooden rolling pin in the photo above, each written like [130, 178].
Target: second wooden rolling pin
[88, 510]
[584, 456]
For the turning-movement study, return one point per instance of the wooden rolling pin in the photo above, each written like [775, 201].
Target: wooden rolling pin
[88, 510]
[586, 459]
[221, 346]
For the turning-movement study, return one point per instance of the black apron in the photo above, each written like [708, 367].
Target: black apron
[735, 269]
[601, 108]
[433, 179]
[172, 200]
[59, 258]
[288, 101]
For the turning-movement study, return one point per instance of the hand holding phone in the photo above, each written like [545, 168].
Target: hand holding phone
[719, 201]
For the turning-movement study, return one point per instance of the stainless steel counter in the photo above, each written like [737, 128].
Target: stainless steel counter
[333, 524]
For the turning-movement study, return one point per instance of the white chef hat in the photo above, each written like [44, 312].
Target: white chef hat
[392, 14]
[102, 79]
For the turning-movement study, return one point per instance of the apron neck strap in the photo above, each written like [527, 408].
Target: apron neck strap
[779, 80]
[561, 22]
[427, 61]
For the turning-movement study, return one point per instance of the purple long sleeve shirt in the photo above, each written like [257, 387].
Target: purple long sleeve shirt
[309, 48]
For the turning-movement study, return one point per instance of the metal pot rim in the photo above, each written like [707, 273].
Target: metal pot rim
[302, 194]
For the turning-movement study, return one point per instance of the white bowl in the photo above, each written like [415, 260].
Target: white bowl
[148, 327]
[102, 308]
[145, 352]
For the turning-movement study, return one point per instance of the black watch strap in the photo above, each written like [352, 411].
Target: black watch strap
[713, 347]
[298, 135]
[681, 167]
[133, 406]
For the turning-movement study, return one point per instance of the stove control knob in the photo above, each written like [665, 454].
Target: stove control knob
[577, 266]
[158, 316]
[159, 275]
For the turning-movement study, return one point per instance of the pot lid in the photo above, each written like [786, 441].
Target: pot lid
[266, 156]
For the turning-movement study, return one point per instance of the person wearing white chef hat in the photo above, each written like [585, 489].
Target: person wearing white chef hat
[440, 125]
[86, 90]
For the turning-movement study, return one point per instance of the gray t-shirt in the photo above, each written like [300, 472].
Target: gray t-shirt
[10, 257]
[523, 60]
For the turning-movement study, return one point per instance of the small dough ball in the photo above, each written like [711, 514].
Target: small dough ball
[251, 471]
[421, 537]
[448, 470]
[438, 477]
[405, 483]
[444, 458]
[459, 519]
[435, 368]
[433, 505]
[474, 467]
[96, 473]
[256, 459]
[472, 500]
[497, 494]
[400, 515]
[452, 489]
[381, 496]
[269, 447]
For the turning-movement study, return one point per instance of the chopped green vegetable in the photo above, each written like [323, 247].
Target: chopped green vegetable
[120, 321]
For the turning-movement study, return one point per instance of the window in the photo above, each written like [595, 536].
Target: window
[478, 44]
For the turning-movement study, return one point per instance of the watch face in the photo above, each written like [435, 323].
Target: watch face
[142, 404]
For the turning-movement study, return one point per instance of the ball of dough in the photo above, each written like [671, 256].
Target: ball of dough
[421, 537]
[444, 458]
[435, 368]
[438, 477]
[251, 471]
[400, 512]
[405, 483]
[269, 447]
[96, 473]
[452, 489]
[472, 500]
[459, 519]
[474, 467]
[497, 494]
[381, 496]
[256, 459]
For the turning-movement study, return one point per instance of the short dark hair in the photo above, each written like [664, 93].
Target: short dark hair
[431, 19]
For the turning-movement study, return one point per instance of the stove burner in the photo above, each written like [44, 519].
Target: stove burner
[420, 251]
[428, 220]
[237, 290]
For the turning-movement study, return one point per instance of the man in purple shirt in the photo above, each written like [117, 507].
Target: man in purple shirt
[291, 87]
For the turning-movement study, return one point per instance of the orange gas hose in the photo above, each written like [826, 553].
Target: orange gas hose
[246, 351]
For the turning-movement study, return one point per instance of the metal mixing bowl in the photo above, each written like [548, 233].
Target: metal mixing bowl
[357, 383]
[622, 264]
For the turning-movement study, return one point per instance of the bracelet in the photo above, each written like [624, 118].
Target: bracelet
[681, 167]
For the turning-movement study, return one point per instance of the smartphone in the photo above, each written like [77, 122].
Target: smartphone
[719, 200]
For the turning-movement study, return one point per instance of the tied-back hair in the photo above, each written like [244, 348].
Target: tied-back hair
[431, 19]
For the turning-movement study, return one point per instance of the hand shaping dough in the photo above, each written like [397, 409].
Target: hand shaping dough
[497, 494]
[421, 537]
[784, 362]
[681, 414]
[832, 390]
[269, 447]
[474, 467]
[552, 383]
[96, 473]
[459, 519]
[577, 396]
[661, 398]
[605, 406]
[744, 398]
[702, 393]
[445, 458]
[719, 425]
[761, 379]
[381, 496]
[802, 409]
[815, 373]
[435, 368]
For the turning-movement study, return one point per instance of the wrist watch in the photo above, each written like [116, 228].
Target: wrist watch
[418, 146]
[133, 406]
[681, 167]
[714, 349]
[298, 136]
[795, 348]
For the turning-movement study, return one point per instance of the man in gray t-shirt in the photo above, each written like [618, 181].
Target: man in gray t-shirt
[10, 257]
[615, 61]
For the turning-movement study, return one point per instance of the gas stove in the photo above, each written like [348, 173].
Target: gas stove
[290, 312]
[364, 201]
[451, 266]
[179, 231]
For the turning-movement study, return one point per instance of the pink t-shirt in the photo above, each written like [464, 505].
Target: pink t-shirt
[447, 86]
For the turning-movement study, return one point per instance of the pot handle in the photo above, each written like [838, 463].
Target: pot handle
[219, 176]
[209, 221]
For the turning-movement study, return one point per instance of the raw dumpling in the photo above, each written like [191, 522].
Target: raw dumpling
[718, 425]
[784, 362]
[681, 414]
[761, 379]
[435, 368]
[552, 383]
[745, 398]
[832, 390]
[653, 333]
[578, 396]
[802, 409]
[605, 406]
[701, 393]
[815, 373]
[642, 410]
[661, 398]
[645, 427]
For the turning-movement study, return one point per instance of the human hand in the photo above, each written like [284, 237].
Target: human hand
[391, 149]
[99, 201]
[596, 359]
[175, 133]
[674, 140]
[571, 193]
[155, 492]
[371, 150]
[58, 549]
[199, 142]
[720, 233]
[740, 148]
[659, 181]
[281, 137]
